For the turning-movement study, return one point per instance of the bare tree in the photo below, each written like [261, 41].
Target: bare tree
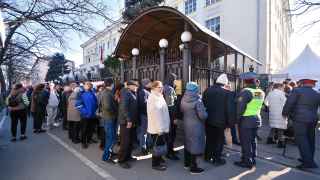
[35, 26]
[302, 7]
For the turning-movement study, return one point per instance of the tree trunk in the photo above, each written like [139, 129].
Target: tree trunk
[2, 84]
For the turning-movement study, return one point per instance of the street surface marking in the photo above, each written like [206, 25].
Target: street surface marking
[101, 172]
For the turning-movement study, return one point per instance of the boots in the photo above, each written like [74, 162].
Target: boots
[194, 169]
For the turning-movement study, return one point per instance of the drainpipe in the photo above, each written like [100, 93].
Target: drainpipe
[258, 29]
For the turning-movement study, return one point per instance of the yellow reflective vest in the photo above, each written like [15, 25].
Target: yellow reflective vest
[254, 106]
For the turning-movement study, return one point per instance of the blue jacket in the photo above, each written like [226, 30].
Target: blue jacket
[87, 104]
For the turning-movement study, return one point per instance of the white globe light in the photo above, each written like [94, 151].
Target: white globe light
[101, 66]
[163, 43]
[181, 46]
[135, 51]
[186, 36]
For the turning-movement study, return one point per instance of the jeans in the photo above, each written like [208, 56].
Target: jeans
[110, 138]
[142, 131]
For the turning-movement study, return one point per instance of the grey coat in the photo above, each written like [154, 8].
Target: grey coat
[194, 116]
[72, 112]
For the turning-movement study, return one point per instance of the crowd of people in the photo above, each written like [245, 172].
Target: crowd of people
[145, 115]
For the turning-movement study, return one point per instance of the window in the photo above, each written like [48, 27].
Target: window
[108, 44]
[190, 6]
[214, 25]
[209, 2]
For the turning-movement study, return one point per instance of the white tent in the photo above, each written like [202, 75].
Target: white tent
[305, 66]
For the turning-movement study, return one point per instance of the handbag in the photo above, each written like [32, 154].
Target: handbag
[159, 149]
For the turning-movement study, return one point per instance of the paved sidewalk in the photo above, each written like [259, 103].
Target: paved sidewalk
[274, 154]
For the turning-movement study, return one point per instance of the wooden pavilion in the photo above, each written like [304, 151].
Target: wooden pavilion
[162, 40]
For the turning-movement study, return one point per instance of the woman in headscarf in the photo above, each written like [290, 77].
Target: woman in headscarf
[194, 116]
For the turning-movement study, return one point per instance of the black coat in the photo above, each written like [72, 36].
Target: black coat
[128, 107]
[143, 95]
[302, 105]
[217, 101]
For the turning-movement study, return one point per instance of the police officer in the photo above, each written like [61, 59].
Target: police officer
[249, 104]
[302, 104]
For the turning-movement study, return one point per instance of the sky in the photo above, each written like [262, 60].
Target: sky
[303, 36]
[74, 51]
[299, 38]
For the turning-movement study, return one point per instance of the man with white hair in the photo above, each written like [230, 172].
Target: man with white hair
[216, 101]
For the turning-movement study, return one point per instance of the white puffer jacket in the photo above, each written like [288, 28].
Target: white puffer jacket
[275, 100]
[158, 114]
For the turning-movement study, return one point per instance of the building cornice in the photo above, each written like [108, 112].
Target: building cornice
[101, 33]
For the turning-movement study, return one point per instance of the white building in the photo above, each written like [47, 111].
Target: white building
[260, 28]
[97, 48]
[39, 72]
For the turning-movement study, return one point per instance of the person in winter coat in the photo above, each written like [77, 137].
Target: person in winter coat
[216, 101]
[127, 117]
[39, 103]
[194, 117]
[17, 105]
[171, 98]
[87, 105]
[73, 116]
[275, 101]
[158, 121]
[109, 114]
[52, 107]
[143, 94]
[302, 104]
[100, 130]
[64, 105]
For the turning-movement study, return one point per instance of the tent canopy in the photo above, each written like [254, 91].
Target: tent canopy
[305, 66]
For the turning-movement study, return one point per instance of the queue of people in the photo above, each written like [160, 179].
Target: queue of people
[144, 114]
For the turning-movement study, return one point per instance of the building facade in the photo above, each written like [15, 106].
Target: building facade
[97, 48]
[261, 28]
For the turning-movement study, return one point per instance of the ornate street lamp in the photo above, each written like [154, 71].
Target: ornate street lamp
[135, 53]
[186, 38]
[163, 43]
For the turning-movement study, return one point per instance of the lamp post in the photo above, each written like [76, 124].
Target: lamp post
[186, 38]
[135, 53]
[101, 70]
[163, 43]
[121, 69]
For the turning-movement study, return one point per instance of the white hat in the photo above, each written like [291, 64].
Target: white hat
[223, 79]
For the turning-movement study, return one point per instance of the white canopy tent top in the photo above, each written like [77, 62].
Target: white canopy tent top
[305, 66]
